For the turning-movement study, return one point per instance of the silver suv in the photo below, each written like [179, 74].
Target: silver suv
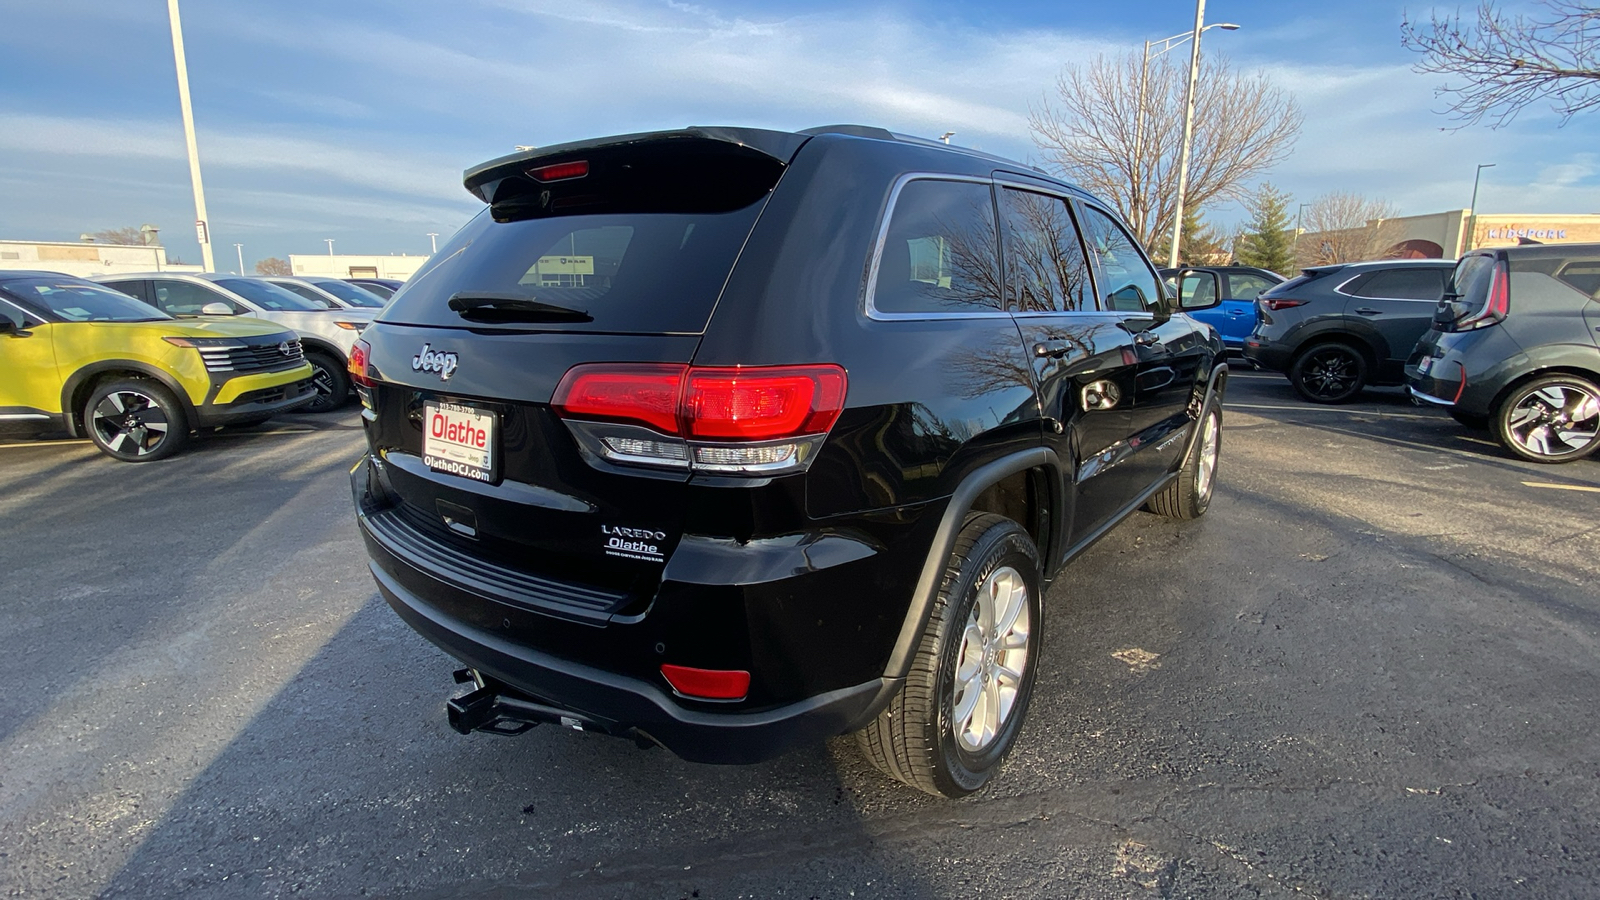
[326, 334]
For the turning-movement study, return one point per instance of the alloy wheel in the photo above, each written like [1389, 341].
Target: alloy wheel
[1331, 373]
[1555, 420]
[991, 661]
[1210, 448]
[130, 422]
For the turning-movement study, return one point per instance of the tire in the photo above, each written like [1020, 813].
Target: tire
[135, 420]
[952, 723]
[1329, 373]
[1554, 419]
[1470, 420]
[1189, 495]
[332, 381]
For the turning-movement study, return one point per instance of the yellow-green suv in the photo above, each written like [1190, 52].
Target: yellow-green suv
[80, 357]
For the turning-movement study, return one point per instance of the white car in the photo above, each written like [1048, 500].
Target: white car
[326, 334]
[330, 292]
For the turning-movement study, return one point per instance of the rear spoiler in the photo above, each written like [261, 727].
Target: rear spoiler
[484, 180]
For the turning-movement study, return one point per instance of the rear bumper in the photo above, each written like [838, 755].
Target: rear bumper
[1266, 354]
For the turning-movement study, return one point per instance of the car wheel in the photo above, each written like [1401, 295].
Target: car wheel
[135, 420]
[1554, 419]
[964, 700]
[332, 381]
[1329, 373]
[1470, 420]
[1189, 494]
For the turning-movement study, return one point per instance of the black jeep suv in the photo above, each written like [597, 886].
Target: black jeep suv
[1514, 346]
[730, 440]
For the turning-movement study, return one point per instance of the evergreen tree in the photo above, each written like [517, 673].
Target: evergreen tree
[1268, 240]
[1202, 245]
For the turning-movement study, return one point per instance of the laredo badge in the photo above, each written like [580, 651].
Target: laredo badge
[634, 543]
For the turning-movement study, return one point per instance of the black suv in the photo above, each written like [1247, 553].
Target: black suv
[731, 440]
[1513, 345]
[1336, 329]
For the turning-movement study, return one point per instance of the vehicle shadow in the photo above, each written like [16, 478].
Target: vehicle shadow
[351, 768]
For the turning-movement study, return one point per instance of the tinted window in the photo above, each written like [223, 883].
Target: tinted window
[382, 291]
[640, 272]
[1045, 266]
[1404, 284]
[270, 296]
[183, 298]
[1470, 281]
[79, 301]
[350, 294]
[305, 293]
[1585, 276]
[1128, 284]
[939, 255]
[1244, 286]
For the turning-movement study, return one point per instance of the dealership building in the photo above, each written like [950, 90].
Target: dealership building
[324, 265]
[1447, 235]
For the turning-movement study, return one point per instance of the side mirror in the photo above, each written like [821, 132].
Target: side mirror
[216, 308]
[1198, 290]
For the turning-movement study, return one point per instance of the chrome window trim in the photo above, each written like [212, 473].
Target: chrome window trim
[1094, 276]
[872, 311]
[1094, 262]
[27, 316]
[1340, 287]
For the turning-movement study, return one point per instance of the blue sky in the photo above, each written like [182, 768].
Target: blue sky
[353, 120]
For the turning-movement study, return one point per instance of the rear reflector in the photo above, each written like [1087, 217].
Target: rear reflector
[560, 171]
[708, 684]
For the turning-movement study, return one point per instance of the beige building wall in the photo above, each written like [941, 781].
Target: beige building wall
[1443, 235]
[356, 266]
[85, 259]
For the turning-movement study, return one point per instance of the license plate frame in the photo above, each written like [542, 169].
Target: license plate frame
[451, 444]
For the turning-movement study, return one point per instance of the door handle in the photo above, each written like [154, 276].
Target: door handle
[1052, 349]
[1369, 311]
[1235, 312]
[1146, 338]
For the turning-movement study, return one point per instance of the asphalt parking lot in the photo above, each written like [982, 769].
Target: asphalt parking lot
[1370, 671]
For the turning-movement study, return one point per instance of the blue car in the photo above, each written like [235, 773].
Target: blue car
[1235, 317]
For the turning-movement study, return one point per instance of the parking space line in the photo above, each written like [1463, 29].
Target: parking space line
[1562, 487]
[42, 444]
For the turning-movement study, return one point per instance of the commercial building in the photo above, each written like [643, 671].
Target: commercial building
[354, 266]
[84, 258]
[1447, 235]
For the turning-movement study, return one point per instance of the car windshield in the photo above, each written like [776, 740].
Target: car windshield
[80, 301]
[350, 294]
[268, 296]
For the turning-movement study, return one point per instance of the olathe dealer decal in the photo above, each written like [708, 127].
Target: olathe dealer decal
[633, 543]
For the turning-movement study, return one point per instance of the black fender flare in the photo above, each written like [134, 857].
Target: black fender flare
[1216, 386]
[77, 379]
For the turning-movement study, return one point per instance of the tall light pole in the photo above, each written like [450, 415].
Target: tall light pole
[1188, 132]
[1472, 222]
[1167, 43]
[202, 224]
[240, 249]
[1298, 215]
[330, 246]
[433, 239]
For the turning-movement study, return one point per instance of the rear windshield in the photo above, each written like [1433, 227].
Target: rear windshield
[1303, 278]
[1470, 281]
[80, 301]
[350, 294]
[640, 272]
[268, 296]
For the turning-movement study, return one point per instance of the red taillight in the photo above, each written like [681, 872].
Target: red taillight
[708, 684]
[762, 404]
[643, 393]
[1277, 303]
[560, 171]
[360, 354]
[754, 404]
[1498, 304]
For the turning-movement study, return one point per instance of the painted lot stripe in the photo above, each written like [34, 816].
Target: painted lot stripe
[1329, 409]
[41, 444]
[1562, 487]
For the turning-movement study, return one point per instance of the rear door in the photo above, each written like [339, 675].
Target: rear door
[1397, 306]
[621, 264]
[1238, 308]
[1082, 357]
[31, 389]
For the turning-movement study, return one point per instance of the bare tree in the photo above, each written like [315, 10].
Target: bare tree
[1243, 126]
[273, 266]
[1342, 227]
[1506, 62]
[139, 235]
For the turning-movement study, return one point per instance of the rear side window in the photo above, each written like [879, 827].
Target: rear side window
[1128, 282]
[1583, 275]
[181, 298]
[941, 253]
[1046, 270]
[270, 296]
[1247, 287]
[1403, 284]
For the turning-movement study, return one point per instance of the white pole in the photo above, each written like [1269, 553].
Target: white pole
[433, 238]
[1138, 146]
[202, 222]
[240, 248]
[1188, 132]
[330, 246]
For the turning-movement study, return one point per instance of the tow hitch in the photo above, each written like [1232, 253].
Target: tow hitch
[496, 708]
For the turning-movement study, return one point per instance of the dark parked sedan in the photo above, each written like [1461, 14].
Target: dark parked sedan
[1513, 347]
[1338, 328]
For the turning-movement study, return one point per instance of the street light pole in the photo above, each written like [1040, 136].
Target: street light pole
[1299, 214]
[240, 249]
[1169, 43]
[433, 238]
[1472, 221]
[330, 246]
[1188, 132]
[202, 224]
